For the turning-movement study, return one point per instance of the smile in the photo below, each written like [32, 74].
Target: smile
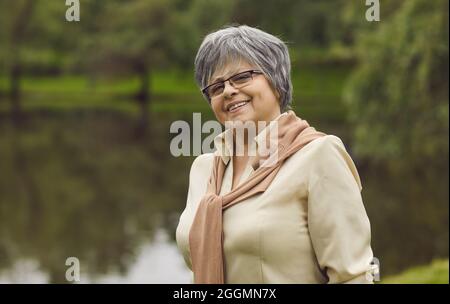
[236, 106]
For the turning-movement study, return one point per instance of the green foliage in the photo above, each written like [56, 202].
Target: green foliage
[397, 102]
[131, 36]
[35, 35]
[435, 273]
[398, 96]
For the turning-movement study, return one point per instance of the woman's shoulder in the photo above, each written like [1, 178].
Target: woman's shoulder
[328, 140]
[199, 175]
[202, 165]
[323, 154]
[329, 157]
[323, 146]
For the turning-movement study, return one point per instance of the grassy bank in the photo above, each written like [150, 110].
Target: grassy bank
[317, 93]
[435, 273]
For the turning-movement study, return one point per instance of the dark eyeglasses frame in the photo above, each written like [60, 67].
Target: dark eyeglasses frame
[204, 90]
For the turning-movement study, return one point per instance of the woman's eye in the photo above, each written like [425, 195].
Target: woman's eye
[241, 78]
[215, 89]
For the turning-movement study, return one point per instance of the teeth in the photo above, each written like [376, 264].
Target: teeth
[237, 105]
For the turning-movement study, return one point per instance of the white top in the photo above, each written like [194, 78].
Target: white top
[309, 226]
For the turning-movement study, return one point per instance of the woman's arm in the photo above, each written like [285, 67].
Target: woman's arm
[198, 176]
[338, 223]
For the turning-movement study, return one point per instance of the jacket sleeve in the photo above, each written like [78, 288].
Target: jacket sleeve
[337, 220]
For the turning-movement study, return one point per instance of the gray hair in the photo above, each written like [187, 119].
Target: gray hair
[235, 43]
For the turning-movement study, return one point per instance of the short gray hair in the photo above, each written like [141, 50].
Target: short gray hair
[234, 43]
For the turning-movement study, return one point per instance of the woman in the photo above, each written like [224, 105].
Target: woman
[297, 219]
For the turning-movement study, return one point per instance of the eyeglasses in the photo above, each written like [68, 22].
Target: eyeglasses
[237, 81]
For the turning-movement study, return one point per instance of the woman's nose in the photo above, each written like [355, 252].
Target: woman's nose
[229, 90]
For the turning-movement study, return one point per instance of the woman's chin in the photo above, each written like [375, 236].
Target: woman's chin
[242, 116]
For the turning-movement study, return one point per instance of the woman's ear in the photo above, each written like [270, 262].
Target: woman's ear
[275, 91]
[277, 95]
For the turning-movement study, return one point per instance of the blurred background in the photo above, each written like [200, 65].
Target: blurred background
[85, 111]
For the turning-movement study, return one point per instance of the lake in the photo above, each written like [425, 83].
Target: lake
[89, 184]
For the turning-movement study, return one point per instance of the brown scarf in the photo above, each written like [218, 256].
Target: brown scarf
[206, 234]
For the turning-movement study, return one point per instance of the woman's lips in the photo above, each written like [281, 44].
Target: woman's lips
[238, 106]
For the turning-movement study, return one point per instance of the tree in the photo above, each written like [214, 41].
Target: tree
[15, 31]
[399, 109]
[33, 35]
[136, 38]
[398, 96]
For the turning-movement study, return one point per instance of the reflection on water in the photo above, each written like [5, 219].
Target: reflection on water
[85, 184]
[157, 262]
[24, 272]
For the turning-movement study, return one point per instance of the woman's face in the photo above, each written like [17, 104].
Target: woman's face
[261, 100]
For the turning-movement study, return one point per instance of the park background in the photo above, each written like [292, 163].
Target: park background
[86, 107]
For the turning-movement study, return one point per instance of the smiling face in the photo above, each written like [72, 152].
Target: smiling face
[255, 101]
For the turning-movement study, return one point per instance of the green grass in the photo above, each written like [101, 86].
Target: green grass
[169, 82]
[307, 81]
[435, 273]
[317, 92]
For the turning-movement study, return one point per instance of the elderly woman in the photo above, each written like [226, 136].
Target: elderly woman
[299, 218]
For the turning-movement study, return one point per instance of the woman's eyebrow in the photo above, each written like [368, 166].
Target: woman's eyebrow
[218, 79]
[221, 78]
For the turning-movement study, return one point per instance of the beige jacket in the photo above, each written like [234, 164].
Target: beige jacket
[309, 226]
